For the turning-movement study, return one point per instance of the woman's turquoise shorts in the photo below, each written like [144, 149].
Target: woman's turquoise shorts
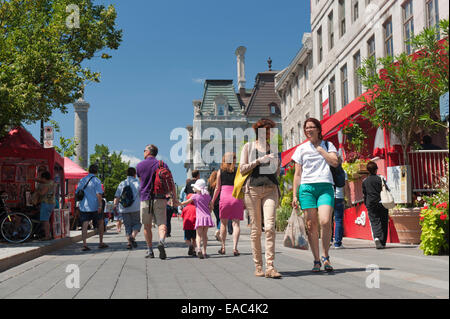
[315, 195]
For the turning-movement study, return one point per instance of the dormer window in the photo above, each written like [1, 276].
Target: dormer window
[274, 110]
[221, 105]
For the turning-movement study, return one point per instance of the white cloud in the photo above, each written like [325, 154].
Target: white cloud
[133, 159]
[198, 80]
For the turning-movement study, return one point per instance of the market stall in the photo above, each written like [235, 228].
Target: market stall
[72, 173]
[22, 159]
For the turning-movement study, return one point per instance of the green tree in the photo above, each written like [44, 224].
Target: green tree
[115, 175]
[42, 48]
[66, 146]
[404, 95]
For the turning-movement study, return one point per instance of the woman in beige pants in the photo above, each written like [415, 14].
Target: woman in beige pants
[261, 193]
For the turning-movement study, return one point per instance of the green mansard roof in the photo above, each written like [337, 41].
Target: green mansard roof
[214, 88]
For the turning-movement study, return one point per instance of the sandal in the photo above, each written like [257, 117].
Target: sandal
[85, 248]
[221, 251]
[102, 245]
[129, 246]
[236, 252]
[317, 265]
[326, 264]
[200, 255]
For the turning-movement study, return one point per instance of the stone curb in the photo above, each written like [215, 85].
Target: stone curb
[35, 252]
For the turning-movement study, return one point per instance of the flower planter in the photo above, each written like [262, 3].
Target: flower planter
[406, 222]
[356, 193]
[363, 167]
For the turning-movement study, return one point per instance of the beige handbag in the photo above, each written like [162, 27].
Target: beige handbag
[387, 200]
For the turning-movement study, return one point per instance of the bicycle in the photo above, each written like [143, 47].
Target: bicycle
[16, 227]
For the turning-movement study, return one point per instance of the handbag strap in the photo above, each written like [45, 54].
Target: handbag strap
[88, 182]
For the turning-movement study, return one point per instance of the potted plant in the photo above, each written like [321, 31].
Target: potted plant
[352, 166]
[406, 221]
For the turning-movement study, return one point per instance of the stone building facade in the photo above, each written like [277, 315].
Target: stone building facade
[223, 118]
[294, 88]
[347, 32]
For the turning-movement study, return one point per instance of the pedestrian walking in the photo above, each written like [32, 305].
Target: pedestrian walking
[340, 194]
[188, 214]
[261, 194]
[188, 188]
[91, 205]
[378, 214]
[153, 204]
[182, 197]
[203, 220]
[127, 201]
[46, 191]
[170, 210]
[313, 185]
[212, 180]
[230, 208]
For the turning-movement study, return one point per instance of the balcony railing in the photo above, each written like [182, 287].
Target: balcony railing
[428, 168]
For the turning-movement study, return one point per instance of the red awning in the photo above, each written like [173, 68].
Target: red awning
[73, 170]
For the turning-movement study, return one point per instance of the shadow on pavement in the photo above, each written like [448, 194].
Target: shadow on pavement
[338, 271]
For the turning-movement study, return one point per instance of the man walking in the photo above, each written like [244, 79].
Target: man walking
[91, 205]
[129, 207]
[152, 206]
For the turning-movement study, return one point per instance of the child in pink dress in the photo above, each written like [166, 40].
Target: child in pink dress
[201, 200]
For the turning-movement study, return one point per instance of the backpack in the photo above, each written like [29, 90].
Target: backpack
[163, 181]
[338, 174]
[127, 197]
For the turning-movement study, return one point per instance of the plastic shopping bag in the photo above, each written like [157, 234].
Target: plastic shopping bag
[295, 233]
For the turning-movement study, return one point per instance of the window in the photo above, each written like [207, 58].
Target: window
[306, 76]
[355, 8]
[356, 66]
[330, 31]
[371, 47]
[344, 85]
[292, 137]
[319, 43]
[388, 41]
[273, 109]
[408, 25]
[432, 14]
[341, 18]
[332, 96]
[221, 109]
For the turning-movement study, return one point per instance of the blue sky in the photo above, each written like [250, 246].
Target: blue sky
[168, 49]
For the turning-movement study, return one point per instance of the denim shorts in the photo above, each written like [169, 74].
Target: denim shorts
[315, 195]
[45, 211]
[190, 234]
[88, 216]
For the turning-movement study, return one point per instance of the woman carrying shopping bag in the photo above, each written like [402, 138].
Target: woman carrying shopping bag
[313, 189]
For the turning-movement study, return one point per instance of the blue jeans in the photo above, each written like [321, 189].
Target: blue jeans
[339, 221]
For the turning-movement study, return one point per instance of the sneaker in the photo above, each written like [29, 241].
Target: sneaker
[133, 242]
[378, 244]
[339, 247]
[162, 251]
[149, 254]
[191, 250]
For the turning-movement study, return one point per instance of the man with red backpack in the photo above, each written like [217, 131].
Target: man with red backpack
[155, 183]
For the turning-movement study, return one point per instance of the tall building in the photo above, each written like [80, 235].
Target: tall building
[345, 33]
[223, 118]
[293, 86]
[81, 131]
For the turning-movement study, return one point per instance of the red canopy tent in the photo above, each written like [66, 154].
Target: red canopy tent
[73, 170]
[19, 143]
[20, 149]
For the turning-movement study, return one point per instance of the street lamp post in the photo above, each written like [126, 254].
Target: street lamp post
[105, 166]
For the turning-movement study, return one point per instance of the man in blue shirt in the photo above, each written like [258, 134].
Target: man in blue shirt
[91, 205]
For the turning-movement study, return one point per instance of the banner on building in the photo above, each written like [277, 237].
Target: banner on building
[325, 102]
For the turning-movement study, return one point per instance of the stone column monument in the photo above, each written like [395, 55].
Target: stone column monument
[81, 131]
[240, 56]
